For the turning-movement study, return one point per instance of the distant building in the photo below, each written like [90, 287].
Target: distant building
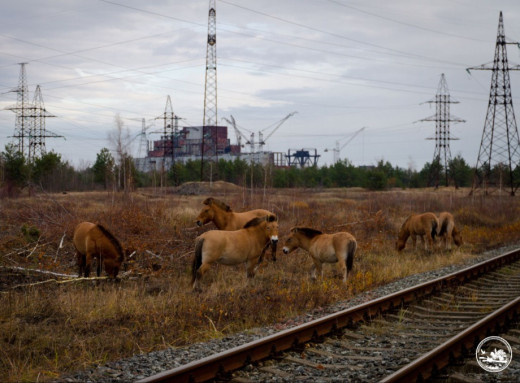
[187, 144]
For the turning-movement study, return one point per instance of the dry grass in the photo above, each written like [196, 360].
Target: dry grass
[51, 329]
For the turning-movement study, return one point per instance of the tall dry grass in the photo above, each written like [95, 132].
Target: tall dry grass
[47, 330]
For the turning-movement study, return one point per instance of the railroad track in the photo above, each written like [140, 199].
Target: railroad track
[411, 335]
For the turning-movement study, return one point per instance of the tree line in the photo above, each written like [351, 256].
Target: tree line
[52, 174]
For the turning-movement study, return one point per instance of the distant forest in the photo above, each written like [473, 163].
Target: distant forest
[51, 174]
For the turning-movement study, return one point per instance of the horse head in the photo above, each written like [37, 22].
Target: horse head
[206, 215]
[292, 242]
[457, 237]
[271, 228]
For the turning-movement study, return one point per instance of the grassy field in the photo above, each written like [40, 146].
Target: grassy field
[48, 329]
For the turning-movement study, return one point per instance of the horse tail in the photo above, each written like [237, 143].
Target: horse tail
[444, 227]
[435, 224]
[351, 249]
[197, 259]
[114, 241]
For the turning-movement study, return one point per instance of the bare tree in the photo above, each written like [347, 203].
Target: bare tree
[120, 140]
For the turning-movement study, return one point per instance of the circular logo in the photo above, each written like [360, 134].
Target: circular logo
[494, 354]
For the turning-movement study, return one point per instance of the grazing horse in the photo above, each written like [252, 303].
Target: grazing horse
[225, 218]
[324, 248]
[94, 241]
[447, 230]
[234, 247]
[421, 225]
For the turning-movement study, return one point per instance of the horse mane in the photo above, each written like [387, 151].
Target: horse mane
[113, 240]
[307, 231]
[258, 220]
[210, 201]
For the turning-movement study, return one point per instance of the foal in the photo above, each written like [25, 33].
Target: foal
[447, 230]
[418, 225]
[324, 248]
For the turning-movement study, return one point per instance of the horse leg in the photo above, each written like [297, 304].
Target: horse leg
[430, 242]
[81, 260]
[99, 264]
[252, 265]
[200, 272]
[88, 261]
[342, 266]
[317, 269]
[414, 241]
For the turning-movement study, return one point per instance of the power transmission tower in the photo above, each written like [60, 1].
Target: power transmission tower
[22, 124]
[169, 135]
[38, 132]
[499, 151]
[442, 118]
[30, 120]
[210, 92]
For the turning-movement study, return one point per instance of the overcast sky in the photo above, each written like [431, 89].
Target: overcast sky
[341, 64]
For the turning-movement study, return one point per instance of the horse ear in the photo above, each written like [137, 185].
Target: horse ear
[271, 218]
[208, 201]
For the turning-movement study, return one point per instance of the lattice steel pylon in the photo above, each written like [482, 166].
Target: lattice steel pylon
[500, 145]
[442, 118]
[22, 125]
[38, 132]
[210, 91]
[30, 120]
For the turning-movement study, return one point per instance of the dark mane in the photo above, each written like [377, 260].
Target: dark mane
[210, 200]
[114, 241]
[306, 231]
[255, 222]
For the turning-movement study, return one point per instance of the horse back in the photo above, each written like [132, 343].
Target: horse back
[446, 223]
[81, 235]
[240, 219]
[425, 223]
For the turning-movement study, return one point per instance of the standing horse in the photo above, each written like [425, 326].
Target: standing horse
[94, 241]
[324, 248]
[225, 218]
[447, 230]
[234, 247]
[418, 225]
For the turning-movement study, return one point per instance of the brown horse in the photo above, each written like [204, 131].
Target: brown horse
[225, 218]
[418, 225]
[94, 241]
[447, 230]
[324, 248]
[234, 247]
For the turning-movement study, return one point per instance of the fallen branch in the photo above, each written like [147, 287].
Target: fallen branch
[59, 247]
[18, 268]
[56, 281]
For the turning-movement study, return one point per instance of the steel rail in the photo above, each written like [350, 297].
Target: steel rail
[235, 358]
[427, 365]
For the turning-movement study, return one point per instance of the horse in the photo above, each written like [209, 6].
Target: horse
[447, 230]
[225, 218]
[94, 241]
[234, 247]
[422, 225]
[337, 248]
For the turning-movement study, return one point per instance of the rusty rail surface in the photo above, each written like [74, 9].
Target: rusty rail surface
[454, 348]
[235, 358]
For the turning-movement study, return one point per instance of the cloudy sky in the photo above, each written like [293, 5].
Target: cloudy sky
[341, 64]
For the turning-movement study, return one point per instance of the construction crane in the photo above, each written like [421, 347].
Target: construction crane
[338, 148]
[241, 135]
[261, 140]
